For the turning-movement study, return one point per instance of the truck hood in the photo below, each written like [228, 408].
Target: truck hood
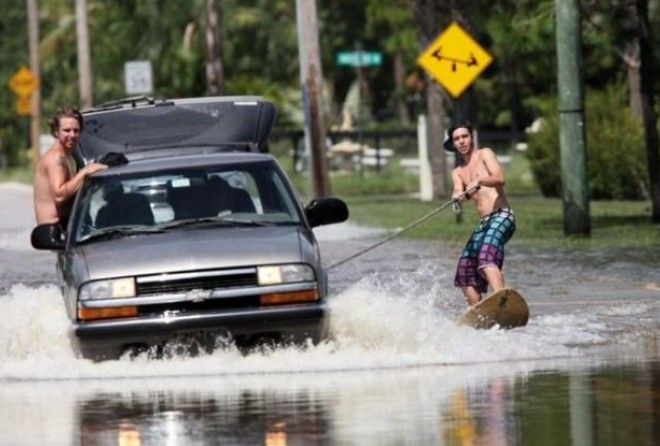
[192, 250]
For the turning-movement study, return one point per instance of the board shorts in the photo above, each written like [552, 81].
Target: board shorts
[485, 248]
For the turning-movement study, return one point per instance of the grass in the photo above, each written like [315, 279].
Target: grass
[17, 174]
[385, 200]
[391, 180]
[615, 224]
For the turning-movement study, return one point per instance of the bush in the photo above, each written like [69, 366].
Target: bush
[616, 154]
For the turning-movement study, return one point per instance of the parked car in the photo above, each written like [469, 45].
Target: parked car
[199, 234]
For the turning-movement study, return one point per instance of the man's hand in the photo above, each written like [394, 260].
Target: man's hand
[472, 188]
[458, 196]
[93, 167]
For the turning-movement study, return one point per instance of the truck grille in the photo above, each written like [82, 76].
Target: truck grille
[206, 280]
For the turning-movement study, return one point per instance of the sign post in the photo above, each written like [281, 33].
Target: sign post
[360, 59]
[454, 60]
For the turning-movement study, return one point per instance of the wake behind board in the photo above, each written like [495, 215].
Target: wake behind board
[505, 307]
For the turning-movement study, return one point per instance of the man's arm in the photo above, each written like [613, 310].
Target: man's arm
[62, 189]
[459, 185]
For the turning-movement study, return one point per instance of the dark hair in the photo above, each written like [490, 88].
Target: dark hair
[449, 142]
[64, 112]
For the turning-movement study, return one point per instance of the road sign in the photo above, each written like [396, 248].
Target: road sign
[359, 58]
[24, 105]
[23, 82]
[137, 77]
[454, 60]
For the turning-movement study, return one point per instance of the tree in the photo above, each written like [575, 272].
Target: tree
[393, 20]
[627, 29]
[214, 75]
[431, 17]
[648, 105]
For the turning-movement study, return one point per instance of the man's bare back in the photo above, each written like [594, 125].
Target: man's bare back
[52, 167]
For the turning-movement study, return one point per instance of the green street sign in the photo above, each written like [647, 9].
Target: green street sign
[359, 58]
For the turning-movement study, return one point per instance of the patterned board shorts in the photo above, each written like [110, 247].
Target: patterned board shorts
[485, 247]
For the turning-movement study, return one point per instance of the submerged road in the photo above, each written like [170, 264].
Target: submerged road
[396, 371]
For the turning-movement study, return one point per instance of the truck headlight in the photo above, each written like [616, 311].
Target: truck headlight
[276, 274]
[108, 289]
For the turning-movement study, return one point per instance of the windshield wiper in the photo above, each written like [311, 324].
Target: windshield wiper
[120, 231]
[211, 221]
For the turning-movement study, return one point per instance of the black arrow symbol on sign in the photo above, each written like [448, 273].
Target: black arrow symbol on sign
[468, 63]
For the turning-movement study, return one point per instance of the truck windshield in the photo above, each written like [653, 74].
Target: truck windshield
[246, 194]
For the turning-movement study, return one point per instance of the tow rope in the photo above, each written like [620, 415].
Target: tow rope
[410, 226]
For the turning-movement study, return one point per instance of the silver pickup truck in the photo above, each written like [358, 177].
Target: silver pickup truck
[198, 236]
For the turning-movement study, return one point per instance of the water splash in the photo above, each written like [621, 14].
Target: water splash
[375, 324]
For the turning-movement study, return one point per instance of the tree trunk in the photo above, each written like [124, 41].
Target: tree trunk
[400, 87]
[214, 74]
[311, 80]
[436, 132]
[648, 111]
[631, 58]
[84, 60]
[35, 67]
[433, 16]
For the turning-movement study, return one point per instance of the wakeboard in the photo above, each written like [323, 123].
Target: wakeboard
[505, 307]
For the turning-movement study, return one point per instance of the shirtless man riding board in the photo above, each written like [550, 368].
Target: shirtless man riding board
[481, 180]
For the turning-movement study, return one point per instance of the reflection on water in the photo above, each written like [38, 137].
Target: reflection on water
[249, 417]
[457, 405]
[606, 406]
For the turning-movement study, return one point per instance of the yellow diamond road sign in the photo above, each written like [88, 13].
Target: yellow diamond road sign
[23, 82]
[454, 60]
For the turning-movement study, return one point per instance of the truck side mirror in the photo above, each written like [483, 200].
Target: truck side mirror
[325, 211]
[48, 236]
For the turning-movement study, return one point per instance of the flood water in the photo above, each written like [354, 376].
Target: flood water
[398, 371]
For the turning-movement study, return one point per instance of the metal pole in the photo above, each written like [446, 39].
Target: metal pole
[571, 118]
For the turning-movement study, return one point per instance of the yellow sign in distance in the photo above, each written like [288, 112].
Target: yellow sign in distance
[454, 60]
[23, 82]
[24, 105]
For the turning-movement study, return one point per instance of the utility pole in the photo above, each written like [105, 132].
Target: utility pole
[84, 62]
[571, 118]
[311, 82]
[214, 74]
[33, 42]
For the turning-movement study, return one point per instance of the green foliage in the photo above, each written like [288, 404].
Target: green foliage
[521, 40]
[260, 55]
[616, 160]
[23, 174]
[13, 128]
